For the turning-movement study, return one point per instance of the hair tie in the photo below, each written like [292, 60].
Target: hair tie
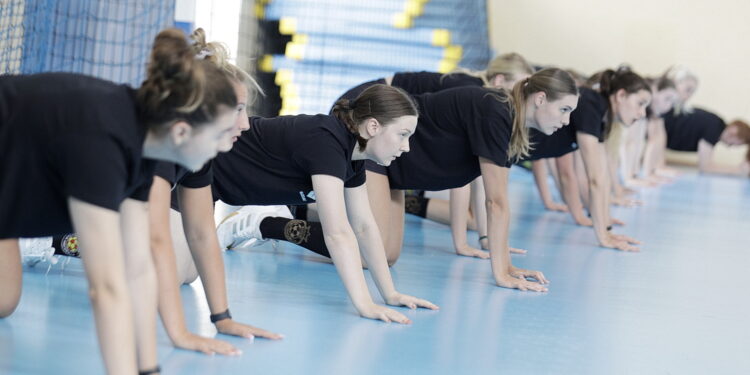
[205, 52]
[526, 81]
[352, 104]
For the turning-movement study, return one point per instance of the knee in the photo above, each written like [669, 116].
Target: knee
[8, 307]
[392, 257]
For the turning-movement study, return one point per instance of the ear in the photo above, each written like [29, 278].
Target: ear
[621, 95]
[180, 132]
[540, 98]
[498, 80]
[372, 127]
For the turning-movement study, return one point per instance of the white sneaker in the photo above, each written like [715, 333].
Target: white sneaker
[242, 227]
[36, 250]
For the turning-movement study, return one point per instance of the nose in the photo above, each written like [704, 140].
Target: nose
[566, 120]
[405, 146]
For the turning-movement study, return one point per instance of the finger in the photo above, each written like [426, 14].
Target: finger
[632, 240]
[427, 304]
[384, 317]
[398, 317]
[517, 251]
[540, 276]
[536, 287]
[266, 334]
[226, 349]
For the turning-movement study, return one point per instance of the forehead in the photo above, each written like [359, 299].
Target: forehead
[404, 122]
[566, 100]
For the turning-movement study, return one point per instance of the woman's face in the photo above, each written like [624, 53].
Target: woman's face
[195, 146]
[629, 108]
[242, 122]
[686, 89]
[663, 101]
[550, 116]
[389, 141]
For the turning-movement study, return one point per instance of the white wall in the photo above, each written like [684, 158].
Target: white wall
[710, 37]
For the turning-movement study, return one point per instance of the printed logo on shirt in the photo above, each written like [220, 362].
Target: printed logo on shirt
[310, 195]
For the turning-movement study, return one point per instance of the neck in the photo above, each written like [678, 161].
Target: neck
[357, 154]
[159, 149]
[529, 122]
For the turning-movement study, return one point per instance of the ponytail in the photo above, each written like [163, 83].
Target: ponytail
[381, 102]
[180, 87]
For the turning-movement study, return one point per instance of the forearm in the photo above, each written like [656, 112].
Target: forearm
[371, 246]
[599, 207]
[478, 198]
[714, 168]
[170, 302]
[204, 247]
[569, 188]
[345, 256]
[459, 215]
[498, 219]
[141, 278]
[539, 170]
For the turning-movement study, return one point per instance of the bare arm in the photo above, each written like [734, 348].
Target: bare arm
[569, 189]
[539, 169]
[170, 302]
[592, 153]
[198, 224]
[342, 245]
[101, 247]
[371, 245]
[706, 163]
[498, 222]
[480, 212]
[459, 216]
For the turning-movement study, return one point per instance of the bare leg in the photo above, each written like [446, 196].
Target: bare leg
[10, 276]
[388, 209]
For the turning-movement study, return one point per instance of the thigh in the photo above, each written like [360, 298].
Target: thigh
[186, 270]
[10, 276]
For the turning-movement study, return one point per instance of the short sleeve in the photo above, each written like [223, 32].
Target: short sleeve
[198, 179]
[489, 130]
[587, 118]
[358, 179]
[167, 171]
[321, 153]
[713, 128]
[94, 169]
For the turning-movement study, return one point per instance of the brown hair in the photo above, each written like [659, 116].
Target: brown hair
[743, 132]
[381, 102]
[610, 82]
[218, 54]
[554, 83]
[179, 86]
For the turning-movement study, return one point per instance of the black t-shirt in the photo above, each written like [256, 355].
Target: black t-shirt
[686, 130]
[273, 162]
[456, 127]
[180, 176]
[416, 83]
[588, 117]
[66, 135]
[558, 144]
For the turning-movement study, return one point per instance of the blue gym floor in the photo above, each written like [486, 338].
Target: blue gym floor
[678, 307]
